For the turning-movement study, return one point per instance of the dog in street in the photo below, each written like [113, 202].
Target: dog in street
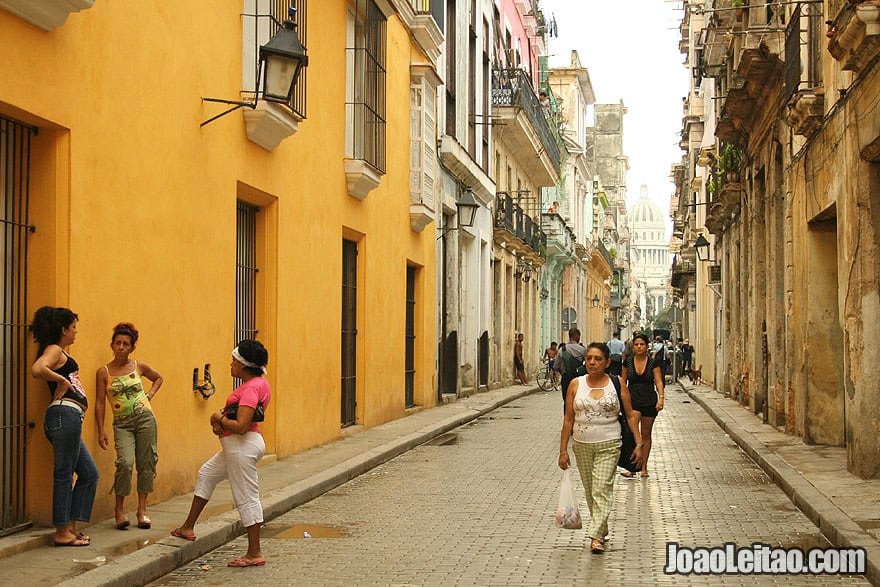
[695, 375]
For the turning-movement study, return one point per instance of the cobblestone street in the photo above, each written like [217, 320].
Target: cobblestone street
[475, 507]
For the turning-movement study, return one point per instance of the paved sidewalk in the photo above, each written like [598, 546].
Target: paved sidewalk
[135, 557]
[844, 507]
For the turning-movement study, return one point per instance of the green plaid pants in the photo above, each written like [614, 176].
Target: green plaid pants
[597, 463]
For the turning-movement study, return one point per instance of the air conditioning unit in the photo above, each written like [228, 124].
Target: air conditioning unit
[714, 274]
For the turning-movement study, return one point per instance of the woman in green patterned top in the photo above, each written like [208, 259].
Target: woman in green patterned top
[134, 425]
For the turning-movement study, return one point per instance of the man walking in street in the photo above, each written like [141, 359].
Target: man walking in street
[571, 361]
[615, 345]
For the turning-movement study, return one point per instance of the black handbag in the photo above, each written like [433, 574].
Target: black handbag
[231, 412]
[627, 440]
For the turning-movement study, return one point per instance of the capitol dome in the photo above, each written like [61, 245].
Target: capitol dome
[645, 215]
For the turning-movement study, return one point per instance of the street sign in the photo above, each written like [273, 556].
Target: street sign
[569, 319]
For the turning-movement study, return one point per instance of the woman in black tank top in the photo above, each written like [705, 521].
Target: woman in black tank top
[53, 329]
[644, 378]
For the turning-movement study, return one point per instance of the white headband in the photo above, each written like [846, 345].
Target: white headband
[237, 356]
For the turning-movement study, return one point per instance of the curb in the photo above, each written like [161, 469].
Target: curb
[156, 560]
[839, 528]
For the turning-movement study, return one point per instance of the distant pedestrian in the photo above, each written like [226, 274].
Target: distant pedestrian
[134, 425]
[660, 355]
[53, 330]
[643, 376]
[687, 356]
[616, 346]
[571, 361]
[518, 364]
[591, 411]
[242, 448]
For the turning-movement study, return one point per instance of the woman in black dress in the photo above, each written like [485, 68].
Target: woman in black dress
[644, 378]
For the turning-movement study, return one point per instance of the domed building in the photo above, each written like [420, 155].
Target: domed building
[650, 254]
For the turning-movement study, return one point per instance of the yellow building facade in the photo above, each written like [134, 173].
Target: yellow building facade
[140, 214]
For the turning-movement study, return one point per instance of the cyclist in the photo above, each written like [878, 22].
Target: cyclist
[550, 358]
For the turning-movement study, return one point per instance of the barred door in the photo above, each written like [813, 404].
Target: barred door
[15, 141]
[349, 332]
[410, 337]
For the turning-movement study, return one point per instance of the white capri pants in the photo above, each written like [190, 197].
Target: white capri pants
[238, 463]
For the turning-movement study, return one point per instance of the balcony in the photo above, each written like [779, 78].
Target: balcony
[561, 240]
[747, 99]
[805, 111]
[855, 38]
[804, 94]
[682, 272]
[514, 227]
[725, 206]
[46, 14]
[425, 19]
[521, 124]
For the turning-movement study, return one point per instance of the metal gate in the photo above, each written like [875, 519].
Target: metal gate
[349, 332]
[15, 142]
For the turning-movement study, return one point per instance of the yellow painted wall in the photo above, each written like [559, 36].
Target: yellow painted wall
[135, 208]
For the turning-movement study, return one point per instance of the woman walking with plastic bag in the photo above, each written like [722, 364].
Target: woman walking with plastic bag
[591, 410]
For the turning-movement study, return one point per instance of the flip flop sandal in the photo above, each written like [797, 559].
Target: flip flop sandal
[123, 525]
[176, 532]
[243, 561]
[145, 524]
[75, 542]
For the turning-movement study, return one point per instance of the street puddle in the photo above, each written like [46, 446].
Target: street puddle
[303, 531]
[128, 547]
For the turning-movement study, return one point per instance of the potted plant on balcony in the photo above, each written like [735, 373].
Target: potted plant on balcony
[739, 6]
[730, 162]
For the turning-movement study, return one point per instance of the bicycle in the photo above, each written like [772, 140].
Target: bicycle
[547, 378]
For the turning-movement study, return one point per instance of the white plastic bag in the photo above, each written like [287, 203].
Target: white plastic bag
[567, 514]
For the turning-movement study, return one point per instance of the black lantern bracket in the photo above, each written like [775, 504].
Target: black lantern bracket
[467, 206]
[284, 45]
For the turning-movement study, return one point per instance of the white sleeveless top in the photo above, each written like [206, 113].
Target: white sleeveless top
[595, 420]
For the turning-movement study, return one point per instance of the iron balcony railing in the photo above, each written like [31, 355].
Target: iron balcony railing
[803, 60]
[511, 217]
[513, 88]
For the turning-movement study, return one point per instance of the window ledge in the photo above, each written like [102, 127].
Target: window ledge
[420, 216]
[47, 14]
[268, 124]
[361, 178]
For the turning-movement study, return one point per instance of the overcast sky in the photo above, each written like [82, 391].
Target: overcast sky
[631, 51]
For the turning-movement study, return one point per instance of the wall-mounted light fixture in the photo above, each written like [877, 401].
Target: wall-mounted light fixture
[281, 61]
[595, 301]
[701, 245]
[467, 206]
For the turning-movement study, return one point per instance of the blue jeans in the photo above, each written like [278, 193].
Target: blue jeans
[63, 428]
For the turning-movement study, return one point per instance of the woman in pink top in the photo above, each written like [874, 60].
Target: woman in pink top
[591, 409]
[243, 447]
